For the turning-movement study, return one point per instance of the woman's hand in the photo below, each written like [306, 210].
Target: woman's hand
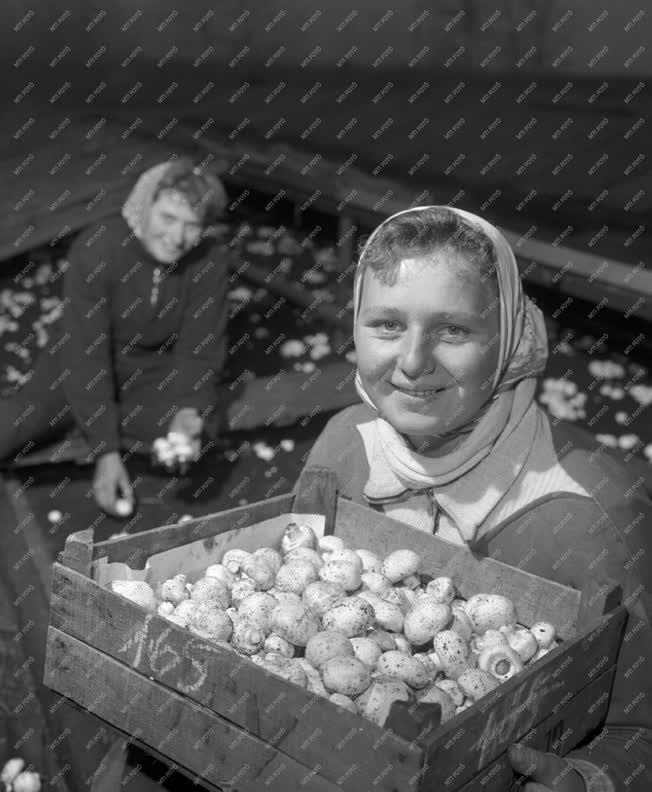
[110, 482]
[546, 772]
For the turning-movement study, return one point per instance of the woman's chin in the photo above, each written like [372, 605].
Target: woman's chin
[414, 426]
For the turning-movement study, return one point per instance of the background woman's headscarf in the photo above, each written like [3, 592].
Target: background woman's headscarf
[141, 197]
[522, 356]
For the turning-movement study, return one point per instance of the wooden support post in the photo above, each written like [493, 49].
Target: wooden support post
[78, 552]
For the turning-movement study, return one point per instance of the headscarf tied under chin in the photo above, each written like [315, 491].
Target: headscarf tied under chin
[523, 351]
[141, 197]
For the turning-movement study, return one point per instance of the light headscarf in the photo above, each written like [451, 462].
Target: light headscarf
[141, 197]
[523, 353]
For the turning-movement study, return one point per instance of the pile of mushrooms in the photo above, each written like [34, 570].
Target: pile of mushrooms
[358, 629]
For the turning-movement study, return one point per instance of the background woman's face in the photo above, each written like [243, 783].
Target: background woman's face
[427, 347]
[171, 227]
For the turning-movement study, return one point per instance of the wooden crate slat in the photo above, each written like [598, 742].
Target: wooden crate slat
[188, 733]
[135, 549]
[298, 722]
[560, 732]
[536, 598]
[524, 701]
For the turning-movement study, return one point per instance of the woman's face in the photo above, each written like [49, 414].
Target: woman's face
[427, 347]
[171, 227]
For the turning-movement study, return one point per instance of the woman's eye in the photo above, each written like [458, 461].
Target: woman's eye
[389, 326]
[455, 331]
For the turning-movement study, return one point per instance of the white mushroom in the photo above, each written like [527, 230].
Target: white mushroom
[489, 638]
[522, 642]
[220, 572]
[490, 612]
[398, 597]
[296, 576]
[402, 644]
[258, 608]
[297, 535]
[461, 624]
[401, 564]
[404, 667]
[342, 573]
[442, 589]
[454, 653]
[210, 622]
[211, 589]
[241, 589]
[328, 545]
[375, 582]
[294, 622]
[387, 615]
[256, 569]
[349, 557]
[370, 561]
[345, 674]
[314, 682]
[411, 582]
[383, 639]
[544, 633]
[247, 638]
[326, 644]
[270, 556]
[366, 650]
[433, 694]
[235, 554]
[137, 591]
[475, 683]
[174, 589]
[501, 661]
[274, 643]
[453, 689]
[425, 620]
[304, 554]
[352, 616]
[319, 596]
[376, 702]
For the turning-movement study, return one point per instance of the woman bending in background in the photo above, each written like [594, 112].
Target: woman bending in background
[141, 344]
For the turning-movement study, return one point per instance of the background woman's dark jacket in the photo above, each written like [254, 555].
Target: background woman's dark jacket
[141, 339]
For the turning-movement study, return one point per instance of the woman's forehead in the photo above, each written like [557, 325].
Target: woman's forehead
[438, 283]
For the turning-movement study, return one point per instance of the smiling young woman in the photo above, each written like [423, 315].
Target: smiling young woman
[450, 439]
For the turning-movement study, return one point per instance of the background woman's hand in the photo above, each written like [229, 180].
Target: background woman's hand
[187, 421]
[110, 482]
[546, 772]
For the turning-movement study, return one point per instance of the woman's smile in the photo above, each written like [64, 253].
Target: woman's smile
[421, 394]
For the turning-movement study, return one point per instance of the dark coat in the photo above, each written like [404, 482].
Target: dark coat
[140, 339]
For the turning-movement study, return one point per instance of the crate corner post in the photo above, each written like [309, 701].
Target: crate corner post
[316, 492]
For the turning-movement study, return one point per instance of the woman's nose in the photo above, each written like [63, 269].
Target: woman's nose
[417, 357]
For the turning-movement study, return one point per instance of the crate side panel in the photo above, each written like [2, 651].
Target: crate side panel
[302, 725]
[514, 708]
[173, 725]
[535, 598]
[562, 731]
[135, 549]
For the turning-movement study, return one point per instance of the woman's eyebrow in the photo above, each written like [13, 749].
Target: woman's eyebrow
[447, 316]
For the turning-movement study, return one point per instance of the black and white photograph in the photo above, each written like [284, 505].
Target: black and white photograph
[325, 367]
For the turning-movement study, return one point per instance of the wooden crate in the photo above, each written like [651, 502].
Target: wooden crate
[229, 724]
